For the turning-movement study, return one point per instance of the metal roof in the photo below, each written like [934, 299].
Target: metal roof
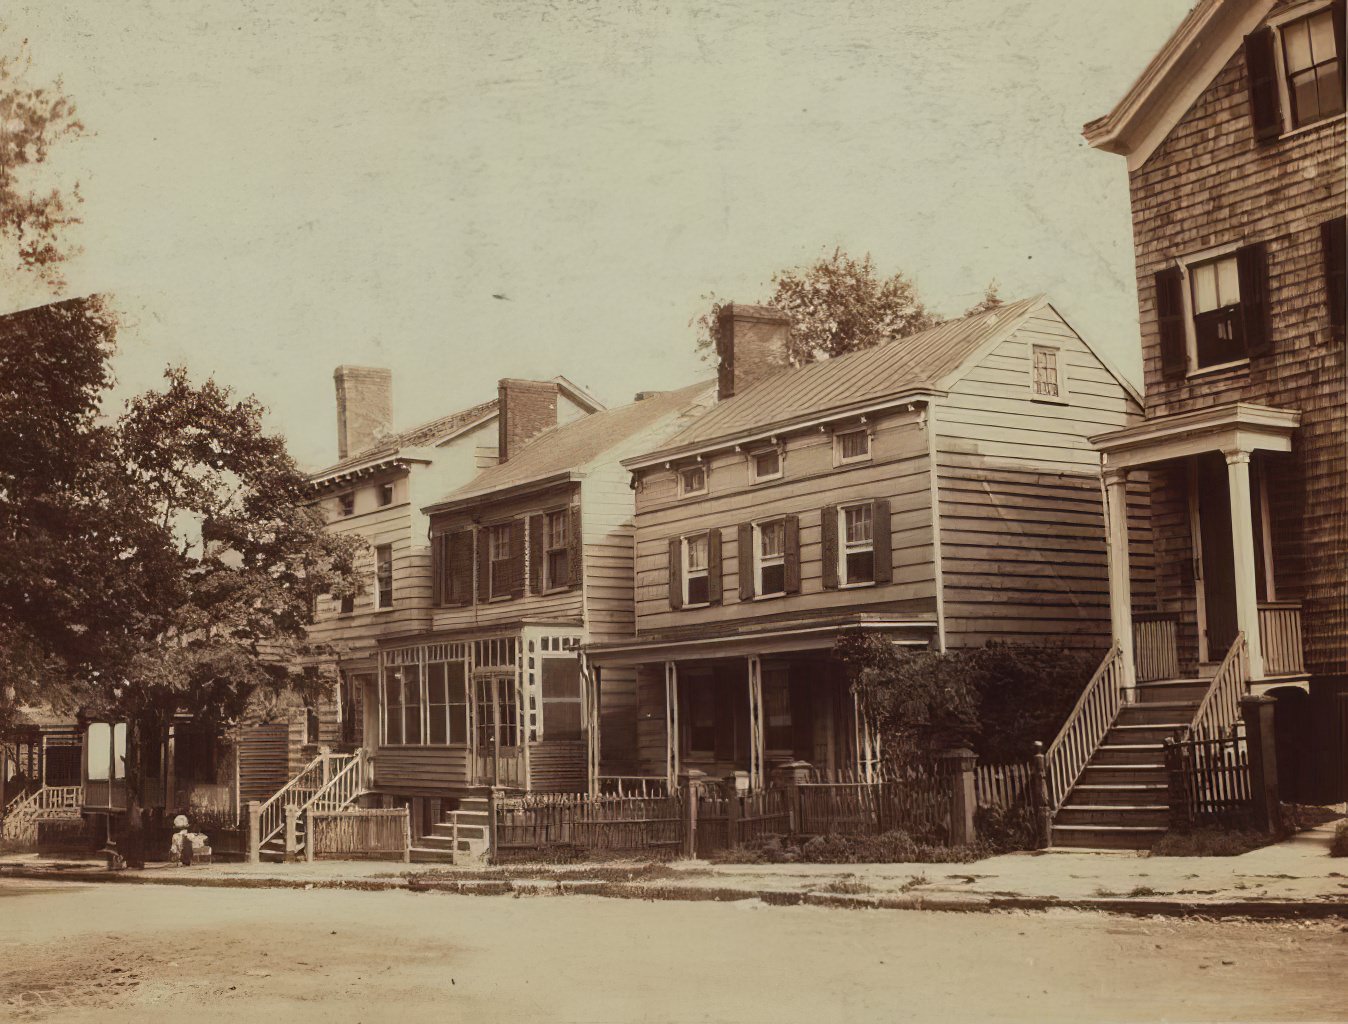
[421, 436]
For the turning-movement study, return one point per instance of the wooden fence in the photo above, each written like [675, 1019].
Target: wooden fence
[916, 800]
[1005, 785]
[1209, 781]
[358, 835]
[530, 826]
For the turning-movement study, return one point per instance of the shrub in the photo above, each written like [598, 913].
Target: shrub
[896, 847]
[1209, 842]
[1339, 847]
[1007, 829]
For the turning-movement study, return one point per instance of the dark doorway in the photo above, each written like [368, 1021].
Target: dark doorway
[1219, 574]
[1292, 741]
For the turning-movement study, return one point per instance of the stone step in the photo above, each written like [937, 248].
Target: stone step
[431, 855]
[1131, 794]
[445, 829]
[1157, 712]
[1148, 815]
[1172, 689]
[1129, 754]
[1156, 733]
[1105, 837]
[1123, 775]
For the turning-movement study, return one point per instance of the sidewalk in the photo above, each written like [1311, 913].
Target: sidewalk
[1296, 878]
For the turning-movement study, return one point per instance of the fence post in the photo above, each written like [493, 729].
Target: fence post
[960, 769]
[1039, 795]
[292, 831]
[309, 839]
[690, 781]
[1176, 786]
[788, 777]
[407, 839]
[254, 832]
[1263, 757]
[491, 824]
[730, 787]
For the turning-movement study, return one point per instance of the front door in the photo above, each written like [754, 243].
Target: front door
[496, 745]
[1216, 560]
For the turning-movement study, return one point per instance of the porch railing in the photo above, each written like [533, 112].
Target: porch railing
[1085, 727]
[1280, 637]
[301, 790]
[1156, 646]
[1219, 710]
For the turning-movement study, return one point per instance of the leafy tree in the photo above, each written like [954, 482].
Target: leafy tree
[837, 304]
[990, 300]
[33, 119]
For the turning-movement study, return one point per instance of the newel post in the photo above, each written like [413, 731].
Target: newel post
[292, 831]
[959, 766]
[254, 832]
[1177, 785]
[789, 777]
[1262, 751]
[1042, 801]
[732, 786]
[690, 781]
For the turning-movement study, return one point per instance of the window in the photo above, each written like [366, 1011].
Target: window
[311, 725]
[1047, 383]
[498, 552]
[693, 480]
[771, 557]
[851, 446]
[383, 576]
[437, 705]
[1214, 296]
[348, 604]
[1312, 69]
[858, 547]
[561, 699]
[402, 705]
[695, 576]
[556, 566]
[106, 751]
[346, 503]
[767, 465]
[385, 494]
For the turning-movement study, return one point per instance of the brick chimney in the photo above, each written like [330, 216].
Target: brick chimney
[752, 345]
[527, 408]
[364, 407]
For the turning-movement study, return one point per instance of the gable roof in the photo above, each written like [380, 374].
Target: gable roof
[565, 451]
[1175, 77]
[423, 435]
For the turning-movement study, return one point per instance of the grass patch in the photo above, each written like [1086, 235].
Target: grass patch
[847, 887]
[894, 847]
[1210, 842]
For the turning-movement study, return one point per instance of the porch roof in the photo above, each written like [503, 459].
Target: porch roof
[1235, 426]
[763, 638]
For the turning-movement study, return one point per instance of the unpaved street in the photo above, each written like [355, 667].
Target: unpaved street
[151, 953]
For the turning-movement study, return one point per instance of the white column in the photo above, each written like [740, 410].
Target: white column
[1242, 540]
[672, 724]
[756, 738]
[1120, 587]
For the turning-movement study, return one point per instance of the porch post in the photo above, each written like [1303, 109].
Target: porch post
[756, 738]
[672, 725]
[1242, 539]
[1120, 588]
[591, 678]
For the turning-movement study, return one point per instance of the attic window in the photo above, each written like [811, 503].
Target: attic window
[1047, 373]
[1312, 68]
[851, 446]
[693, 480]
[767, 465]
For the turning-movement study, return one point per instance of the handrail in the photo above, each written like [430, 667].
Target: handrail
[1091, 718]
[309, 780]
[22, 814]
[342, 788]
[1220, 707]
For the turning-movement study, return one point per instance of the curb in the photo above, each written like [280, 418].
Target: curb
[1296, 910]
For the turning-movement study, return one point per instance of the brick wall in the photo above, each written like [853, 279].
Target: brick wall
[528, 407]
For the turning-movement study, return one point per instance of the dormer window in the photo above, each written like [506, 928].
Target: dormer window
[692, 480]
[766, 465]
[851, 446]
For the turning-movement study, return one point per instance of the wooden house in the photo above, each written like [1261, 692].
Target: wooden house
[528, 561]
[1234, 137]
[939, 490]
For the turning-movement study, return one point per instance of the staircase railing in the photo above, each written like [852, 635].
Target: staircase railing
[342, 789]
[1220, 708]
[1085, 727]
[297, 793]
[22, 815]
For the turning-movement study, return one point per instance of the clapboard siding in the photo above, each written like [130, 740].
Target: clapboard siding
[557, 766]
[264, 760]
[418, 770]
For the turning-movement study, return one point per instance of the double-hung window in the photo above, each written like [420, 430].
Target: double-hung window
[851, 446]
[1047, 380]
[696, 581]
[556, 566]
[499, 556]
[1214, 295]
[383, 576]
[771, 557]
[858, 547]
[1312, 68]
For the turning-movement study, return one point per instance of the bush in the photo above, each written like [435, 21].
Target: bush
[1209, 841]
[1339, 847]
[896, 847]
[1007, 829]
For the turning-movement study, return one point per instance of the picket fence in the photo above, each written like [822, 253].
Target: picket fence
[1210, 781]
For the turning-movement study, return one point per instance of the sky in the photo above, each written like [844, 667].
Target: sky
[464, 191]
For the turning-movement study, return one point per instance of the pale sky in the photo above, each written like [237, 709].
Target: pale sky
[274, 189]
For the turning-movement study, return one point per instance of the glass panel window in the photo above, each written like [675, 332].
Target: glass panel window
[393, 707]
[561, 699]
[383, 576]
[98, 745]
[858, 544]
[411, 704]
[1219, 333]
[1313, 68]
[498, 541]
[457, 696]
[1046, 382]
[348, 604]
[695, 550]
[853, 446]
[437, 705]
[771, 557]
[768, 465]
[693, 480]
[555, 543]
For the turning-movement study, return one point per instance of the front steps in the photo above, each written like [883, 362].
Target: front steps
[469, 823]
[1121, 801]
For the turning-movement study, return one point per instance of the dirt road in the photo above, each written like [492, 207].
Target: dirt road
[150, 953]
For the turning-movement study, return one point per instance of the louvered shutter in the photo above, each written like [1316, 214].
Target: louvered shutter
[1252, 272]
[483, 564]
[880, 538]
[1332, 243]
[791, 556]
[828, 543]
[1261, 69]
[715, 587]
[517, 558]
[1170, 322]
[537, 556]
[676, 572]
[438, 568]
[458, 588]
[575, 548]
[745, 561]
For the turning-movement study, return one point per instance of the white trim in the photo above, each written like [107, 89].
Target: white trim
[838, 434]
[1266, 540]
[1199, 570]
[686, 574]
[754, 476]
[1059, 372]
[1276, 23]
[937, 564]
[843, 582]
[1227, 250]
[684, 492]
[758, 559]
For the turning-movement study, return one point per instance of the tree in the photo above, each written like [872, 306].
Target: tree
[837, 304]
[990, 300]
[33, 119]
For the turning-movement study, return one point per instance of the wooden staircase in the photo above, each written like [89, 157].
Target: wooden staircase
[330, 782]
[461, 838]
[18, 824]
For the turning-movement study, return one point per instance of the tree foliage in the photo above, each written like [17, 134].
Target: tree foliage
[837, 304]
[34, 218]
[990, 300]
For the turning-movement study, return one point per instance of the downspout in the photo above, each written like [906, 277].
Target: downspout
[929, 424]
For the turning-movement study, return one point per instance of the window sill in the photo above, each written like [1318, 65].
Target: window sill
[1292, 133]
[1208, 371]
[499, 598]
[389, 608]
[839, 463]
[555, 590]
[765, 479]
[1050, 400]
[692, 607]
[856, 586]
[770, 597]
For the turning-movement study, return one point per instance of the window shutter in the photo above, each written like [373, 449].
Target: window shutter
[746, 561]
[883, 546]
[1261, 69]
[1339, 32]
[1170, 319]
[715, 587]
[575, 548]
[459, 555]
[536, 554]
[828, 544]
[517, 558]
[1252, 271]
[438, 568]
[1332, 242]
[483, 565]
[676, 572]
[791, 559]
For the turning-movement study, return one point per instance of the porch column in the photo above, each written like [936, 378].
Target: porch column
[756, 738]
[1120, 587]
[1242, 539]
[672, 725]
